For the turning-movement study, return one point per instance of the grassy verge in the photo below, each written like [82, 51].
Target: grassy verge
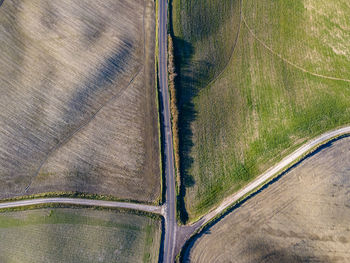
[156, 65]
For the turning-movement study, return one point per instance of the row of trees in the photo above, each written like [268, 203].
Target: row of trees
[173, 105]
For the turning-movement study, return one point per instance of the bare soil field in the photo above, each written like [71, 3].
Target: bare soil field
[78, 235]
[303, 217]
[78, 107]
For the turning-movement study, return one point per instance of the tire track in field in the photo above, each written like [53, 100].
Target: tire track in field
[84, 124]
[233, 48]
[286, 60]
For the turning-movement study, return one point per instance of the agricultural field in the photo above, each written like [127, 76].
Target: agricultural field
[302, 217]
[78, 104]
[256, 80]
[78, 235]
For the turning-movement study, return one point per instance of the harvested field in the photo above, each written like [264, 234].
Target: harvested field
[78, 105]
[286, 81]
[303, 217]
[78, 235]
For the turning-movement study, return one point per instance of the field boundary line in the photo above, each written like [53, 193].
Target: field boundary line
[85, 202]
[84, 124]
[288, 61]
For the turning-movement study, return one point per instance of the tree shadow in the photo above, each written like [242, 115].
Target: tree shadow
[193, 75]
[188, 85]
[187, 114]
[162, 139]
[188, 82]
[99, 83]
[162, 238]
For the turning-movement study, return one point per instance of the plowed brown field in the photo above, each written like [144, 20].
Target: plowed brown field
[78, 105]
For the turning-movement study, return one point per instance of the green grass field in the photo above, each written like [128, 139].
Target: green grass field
[240, 114]
[78, 235]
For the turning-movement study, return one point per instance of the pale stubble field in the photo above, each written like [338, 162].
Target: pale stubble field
[78, 106]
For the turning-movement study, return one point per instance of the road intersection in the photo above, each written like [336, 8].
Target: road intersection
[175, 236]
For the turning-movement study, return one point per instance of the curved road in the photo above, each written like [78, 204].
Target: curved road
[88, 202]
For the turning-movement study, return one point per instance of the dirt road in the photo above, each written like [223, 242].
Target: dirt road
[89, 202]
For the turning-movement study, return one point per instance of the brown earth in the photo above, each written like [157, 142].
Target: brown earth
[78, 105]
[303, 217]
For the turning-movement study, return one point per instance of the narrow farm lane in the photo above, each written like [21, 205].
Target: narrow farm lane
[88, 202]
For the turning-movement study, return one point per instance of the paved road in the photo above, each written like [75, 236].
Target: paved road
[170, 216]
[89, 202]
